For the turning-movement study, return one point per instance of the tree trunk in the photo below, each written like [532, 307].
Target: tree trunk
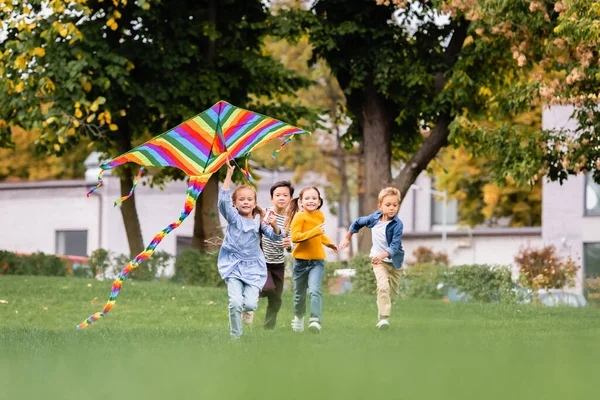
[131, 220]
[206, 217]
[427, 152]
[376, 116]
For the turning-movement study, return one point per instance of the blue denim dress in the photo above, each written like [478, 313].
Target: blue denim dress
[240, 256]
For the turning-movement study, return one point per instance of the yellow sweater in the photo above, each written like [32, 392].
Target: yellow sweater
[308, 236]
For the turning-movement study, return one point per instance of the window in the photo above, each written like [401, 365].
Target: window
[591, 260]
[437, 211]
[592, 197]
[71, 243]
[183, 242]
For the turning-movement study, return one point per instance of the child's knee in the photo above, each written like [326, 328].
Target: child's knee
[314, 291]
[236, 303]
[251, 304]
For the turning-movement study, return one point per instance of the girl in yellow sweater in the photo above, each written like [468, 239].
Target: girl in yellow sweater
[308, 232]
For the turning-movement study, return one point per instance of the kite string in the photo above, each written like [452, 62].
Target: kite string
[195, 186]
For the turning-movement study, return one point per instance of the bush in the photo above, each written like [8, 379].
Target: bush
[543, 269]
[99, 264]
[193, 267]
[423, 280]
[9, 263]
[483, 283]
[363, 280]
[592, 290]
[426, 256]
[34, 264]
[153, 267]
[329, 274]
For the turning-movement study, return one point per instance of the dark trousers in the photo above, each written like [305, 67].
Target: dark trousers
[272, 291]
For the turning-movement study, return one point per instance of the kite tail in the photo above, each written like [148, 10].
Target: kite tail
[98, 185]
[135, 182]
[195, 186]
[286, 141]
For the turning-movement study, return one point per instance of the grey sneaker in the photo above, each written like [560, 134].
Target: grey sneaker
[314, 326]
[383, 325]
[298, 324]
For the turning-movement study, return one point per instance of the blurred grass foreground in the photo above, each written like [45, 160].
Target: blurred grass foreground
[169, 341]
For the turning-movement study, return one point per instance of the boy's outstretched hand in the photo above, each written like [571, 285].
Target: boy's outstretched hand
[345, 243]
[333, 247]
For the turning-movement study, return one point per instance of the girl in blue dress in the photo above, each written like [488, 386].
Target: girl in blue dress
[241, 261]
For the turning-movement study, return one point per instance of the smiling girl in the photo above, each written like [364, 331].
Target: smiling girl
[241, 261]
[308, 232]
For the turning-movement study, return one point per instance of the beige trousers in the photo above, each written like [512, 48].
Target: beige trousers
[388, 286]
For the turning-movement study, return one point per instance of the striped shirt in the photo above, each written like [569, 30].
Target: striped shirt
[274, 249]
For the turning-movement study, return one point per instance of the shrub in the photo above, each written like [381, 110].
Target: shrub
[483, 283]
[329, 274]
[34, 264]
[99, 264]
[592, 290]
[363, 280]
[544, 269]
[423, 280]
[153, 267]
[9, 263]
[193, 267]
[426, 256]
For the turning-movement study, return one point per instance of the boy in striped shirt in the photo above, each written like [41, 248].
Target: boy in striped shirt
[281, 195]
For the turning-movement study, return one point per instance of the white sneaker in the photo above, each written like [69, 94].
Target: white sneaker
[298, 324]
[314, 326]
[383, 325]
[248, 317]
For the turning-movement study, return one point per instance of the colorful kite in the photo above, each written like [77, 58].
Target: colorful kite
[199, 147]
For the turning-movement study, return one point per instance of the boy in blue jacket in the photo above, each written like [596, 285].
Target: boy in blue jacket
[386, 253]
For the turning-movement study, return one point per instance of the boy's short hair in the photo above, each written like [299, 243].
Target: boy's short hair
[389, 191]
[279, 184]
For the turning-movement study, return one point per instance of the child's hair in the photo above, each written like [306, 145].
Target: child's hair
[293, 207]
[279, 184]
[257, 210]
[389, 191]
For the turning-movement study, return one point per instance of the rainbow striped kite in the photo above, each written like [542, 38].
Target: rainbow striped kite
[199, 147]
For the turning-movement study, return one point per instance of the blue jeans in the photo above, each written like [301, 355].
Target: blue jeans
[242, 298]
[308, 274]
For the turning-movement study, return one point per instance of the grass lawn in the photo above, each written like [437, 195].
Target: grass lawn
[163, 341]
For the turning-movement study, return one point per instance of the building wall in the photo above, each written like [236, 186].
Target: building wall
[30, 215]
[564, 223]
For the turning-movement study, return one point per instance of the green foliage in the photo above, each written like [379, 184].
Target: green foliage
[193, 267]
[34, 264]
[483, 283]
[422, 281]
[99, 262]
[426, 255]
[363, 280]
[544, 269]
[592, 290]
[329, 273]
[153, 268]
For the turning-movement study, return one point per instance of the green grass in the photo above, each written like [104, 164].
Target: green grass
[163, 341]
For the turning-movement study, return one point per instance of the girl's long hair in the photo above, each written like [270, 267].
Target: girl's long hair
[293, 207]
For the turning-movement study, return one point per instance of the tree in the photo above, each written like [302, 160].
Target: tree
[117, 72]
[22, 162]
[430, 66]
[481, 200]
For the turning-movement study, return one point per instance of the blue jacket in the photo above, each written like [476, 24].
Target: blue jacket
[393, 235]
